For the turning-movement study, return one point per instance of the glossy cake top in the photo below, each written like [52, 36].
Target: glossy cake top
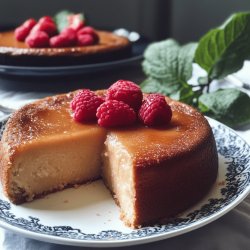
[187, 130]
[51, 117]
[44, 118]
[108, 42]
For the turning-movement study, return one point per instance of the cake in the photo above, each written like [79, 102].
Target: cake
[153, 173]
[110, 47]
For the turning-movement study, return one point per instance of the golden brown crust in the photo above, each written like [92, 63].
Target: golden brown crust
[186, 169]
[27, 123]
[186, 179]
[186, 132]
[5, 165]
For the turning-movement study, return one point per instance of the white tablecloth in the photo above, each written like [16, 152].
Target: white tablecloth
[231, 232]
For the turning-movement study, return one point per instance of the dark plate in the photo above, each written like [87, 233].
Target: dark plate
[137, 55]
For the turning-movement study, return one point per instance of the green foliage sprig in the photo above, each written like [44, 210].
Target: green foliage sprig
[219, 52]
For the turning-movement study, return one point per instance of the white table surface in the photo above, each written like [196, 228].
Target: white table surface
[231, 232]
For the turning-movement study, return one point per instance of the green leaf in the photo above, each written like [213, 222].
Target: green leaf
[168, 61]
[61, 19]
[230, 106]
[187, 94]
[223, 50]
[151, 85]
[168, 67]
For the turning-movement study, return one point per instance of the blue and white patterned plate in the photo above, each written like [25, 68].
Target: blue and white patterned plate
[88, 216]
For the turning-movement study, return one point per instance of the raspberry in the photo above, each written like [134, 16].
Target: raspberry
[78, 95]
[46, 26]
[86, 30]
[66, 38]
[75, 21]
[23, 31]
[155, 110]
[114, 113]
[46, 19]
[84, 105]
[61, 41]
[90, 31]
[85, 40]
[70, 34]
[127, 92]
[38, 39]
[30, 23]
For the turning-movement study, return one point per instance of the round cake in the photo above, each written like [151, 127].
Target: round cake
[110, 47]
[154, 173]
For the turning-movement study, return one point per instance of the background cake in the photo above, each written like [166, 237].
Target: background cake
[110, 47]
[60, 40]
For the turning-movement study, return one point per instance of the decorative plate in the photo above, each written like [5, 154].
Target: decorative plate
[88, 216]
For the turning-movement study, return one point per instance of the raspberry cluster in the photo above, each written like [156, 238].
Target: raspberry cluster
[122, 105]
[44, 33]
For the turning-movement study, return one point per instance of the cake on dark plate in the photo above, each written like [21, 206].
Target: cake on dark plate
[40, 43]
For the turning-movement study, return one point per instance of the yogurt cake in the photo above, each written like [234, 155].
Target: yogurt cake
[153, 173]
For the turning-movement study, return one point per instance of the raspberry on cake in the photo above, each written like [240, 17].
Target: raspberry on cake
[75, 34]
[84, 105]
[127, 92]
[113, 113]
[88, 31]
[37, 39]
[155, 110]
[23, 31]
[47, 25]
[154, 173]
[85, 40]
